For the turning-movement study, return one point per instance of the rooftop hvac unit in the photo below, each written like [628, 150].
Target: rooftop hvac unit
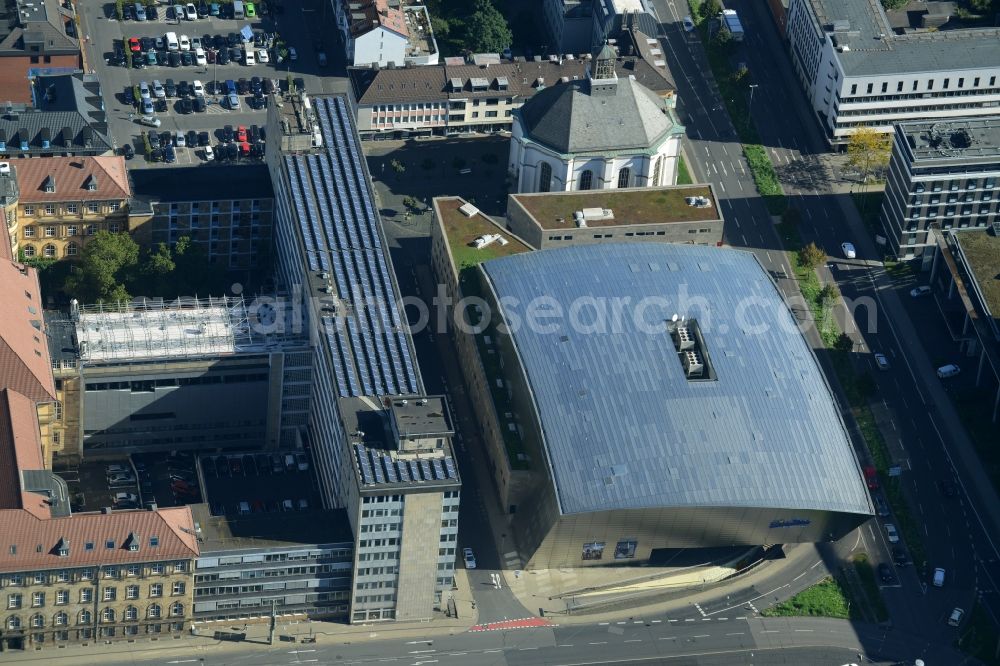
[693, 364]
[683, 339]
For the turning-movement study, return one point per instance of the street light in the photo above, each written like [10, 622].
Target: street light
[753, 86]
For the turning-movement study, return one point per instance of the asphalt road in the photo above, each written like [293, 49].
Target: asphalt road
[953, 536]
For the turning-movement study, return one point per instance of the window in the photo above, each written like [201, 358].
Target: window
[132, 570]
[87, 574]
[71, 249]
[132, 592]
[37, 621]
[178, 587]
[114, 227]
[157, 569]
[93, 208]
[50, 209]
[131, 614]
[544, 177]
[72, 230]
[29, 210]
[109, 544]
[37, 599]
[156, 590]
[85, 617]
[29, 232]
[89, 229]
[62, 576]
[108, 615]
[154, 541]
[624, 177]
[177, 609]
[586, 180]
[60, 619]
[110, 593]
[113, 206]
[49, 251]
[13, 622]
[29, 250]
[899, 87]
[153, 612]
[180, 567]
[72, 209]
[870, 85]
[50, 232]
[86, 595]
[13, 601]
[62, 597]
[39, 579]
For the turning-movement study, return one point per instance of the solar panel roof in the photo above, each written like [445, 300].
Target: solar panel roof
[622, 426]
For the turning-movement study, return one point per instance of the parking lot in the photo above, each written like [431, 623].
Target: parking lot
[259, 483]
[133, 482]
[106, 37]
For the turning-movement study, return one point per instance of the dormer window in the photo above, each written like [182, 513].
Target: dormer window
[91, 183]
[50, 184]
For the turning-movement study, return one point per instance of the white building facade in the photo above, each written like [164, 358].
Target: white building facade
[600, 133]
[858, 73]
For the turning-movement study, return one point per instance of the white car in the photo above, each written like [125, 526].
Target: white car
[891, 533]
[949, 370]
[150, 121]
[158, 90]
[144, 90]
[688, 24]
[196, 43]
[881, 361]
[179, 139]
[199, 57]
[470, 559]
[198, 87]
[190, 12]
[849, 250]
[209, 154]
[184, 42]
[917, 292]
[262, 56]
[125, 497]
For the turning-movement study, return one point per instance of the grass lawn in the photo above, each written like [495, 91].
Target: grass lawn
[633, 206]
[978, 636]
[683, 175]
[462, 231]
[826, 598]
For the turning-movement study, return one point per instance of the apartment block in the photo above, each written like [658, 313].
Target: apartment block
[35, 36]
[569, 24]
[462, 96]
[63, 201]
[942, 175]
[379, 32]
[228, 211]
[863, 68]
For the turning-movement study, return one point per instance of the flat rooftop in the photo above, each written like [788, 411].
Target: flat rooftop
[461, 230]
[269, 530]
[982, 253]
[157, 329]
[421, 416]
[639, 205]
[378, 463]
[961, 139]
[418, 28]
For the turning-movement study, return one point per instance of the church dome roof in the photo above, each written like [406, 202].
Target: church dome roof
[570, 118]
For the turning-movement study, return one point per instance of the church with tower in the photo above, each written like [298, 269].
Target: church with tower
[603, 132]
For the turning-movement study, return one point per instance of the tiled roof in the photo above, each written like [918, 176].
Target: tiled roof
[44, 27]
[20, 447]
[433, 82]
[36, 542]
[72, 176]
[375, 13]
[84, 137]
[24, 354]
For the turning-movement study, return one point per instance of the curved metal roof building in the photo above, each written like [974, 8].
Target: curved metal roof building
[675, 377]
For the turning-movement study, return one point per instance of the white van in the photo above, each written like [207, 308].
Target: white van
[939, 577]
[237, 9]
[248, 55]
[172, 43]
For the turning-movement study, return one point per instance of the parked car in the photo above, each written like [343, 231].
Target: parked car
[470, 559]
[209, 156]
[900, 556]
[917, 292]
[891, 534]
[125, 497]
[688, 24]
[121, 480]
[149, 120]
[881, 361]
[128, 152]
[118, 468]
[190, 12]
[233, 102]
[956, 616]
[203, 139]
[949, 370]
[185, 105]
[147, 107]
[171, 88]
[133, 44]
[158, 90]
[938, 578]
[881, 506]
[849, 250]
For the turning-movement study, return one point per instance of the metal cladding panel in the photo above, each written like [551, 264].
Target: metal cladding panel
[623, 427]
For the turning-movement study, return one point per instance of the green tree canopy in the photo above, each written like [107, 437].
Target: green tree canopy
[811, 256]
[486, 29]
[106, 262]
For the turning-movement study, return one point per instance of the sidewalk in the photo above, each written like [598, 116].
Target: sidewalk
[957, 445]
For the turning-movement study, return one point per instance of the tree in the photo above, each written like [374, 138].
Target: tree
[486, 30]
[710, 8]
[828, 294]
[157, 268]
[106, 262]
[811, 256]
[844, 343]
[868, 150]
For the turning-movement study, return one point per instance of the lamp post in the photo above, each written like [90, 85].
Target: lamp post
[753, 86]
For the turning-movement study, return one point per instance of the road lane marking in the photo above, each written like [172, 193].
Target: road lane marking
[702, 636]
[594, 643]
[737, 633]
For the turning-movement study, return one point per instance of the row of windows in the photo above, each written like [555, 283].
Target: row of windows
[148, 386]
[15, 600]
[915, 84]
[49, 250]
[86, 633]
[68, 575]
[86, 617]
[214, 205]
[378, 571]
[60, 231]
[70, 208]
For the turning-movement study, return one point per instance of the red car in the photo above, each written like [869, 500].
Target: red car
[241, 134]
[133, 44]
